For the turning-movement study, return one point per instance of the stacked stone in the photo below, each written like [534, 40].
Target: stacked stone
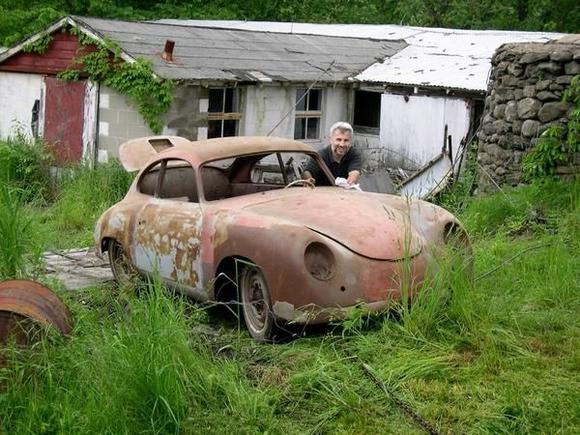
[524, 99]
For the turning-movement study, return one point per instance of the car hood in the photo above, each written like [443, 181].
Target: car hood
[372, 225]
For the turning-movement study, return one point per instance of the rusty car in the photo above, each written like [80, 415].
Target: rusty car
[231, 220]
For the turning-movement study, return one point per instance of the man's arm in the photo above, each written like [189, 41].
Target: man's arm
[310, 171]
[353, 177]
[354, 167]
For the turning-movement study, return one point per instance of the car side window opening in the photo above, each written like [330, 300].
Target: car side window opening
[149, 180]
[170, 179]
[223, 112]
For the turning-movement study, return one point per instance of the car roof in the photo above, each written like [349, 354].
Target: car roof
[135, 153]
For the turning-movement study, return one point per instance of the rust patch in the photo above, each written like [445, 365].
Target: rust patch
[24, 305]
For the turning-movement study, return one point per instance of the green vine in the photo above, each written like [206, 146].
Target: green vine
[557, 144]
[152, 95]
[39, 46]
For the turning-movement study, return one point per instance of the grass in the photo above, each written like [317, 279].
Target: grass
[498, 354]
[19, 252]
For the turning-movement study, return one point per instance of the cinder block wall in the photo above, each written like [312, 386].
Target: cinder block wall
[119, 121]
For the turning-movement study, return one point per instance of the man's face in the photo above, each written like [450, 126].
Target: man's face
[340, 143]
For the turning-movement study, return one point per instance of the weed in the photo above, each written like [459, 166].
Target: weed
[18, 247]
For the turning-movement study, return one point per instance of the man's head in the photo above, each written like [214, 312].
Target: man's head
[340, 139]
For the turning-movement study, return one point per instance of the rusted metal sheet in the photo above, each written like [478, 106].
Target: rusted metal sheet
[26, 305]
[63, 118]
[428, 180]
[135, 153]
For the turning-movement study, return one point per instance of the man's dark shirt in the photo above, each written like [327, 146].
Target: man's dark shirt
[350, 162]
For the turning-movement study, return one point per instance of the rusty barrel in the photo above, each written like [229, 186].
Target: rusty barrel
[25, 305]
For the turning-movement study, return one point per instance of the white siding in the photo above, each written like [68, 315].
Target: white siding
[334, 109]
[412, 127]
[265, 106]
[18, 91]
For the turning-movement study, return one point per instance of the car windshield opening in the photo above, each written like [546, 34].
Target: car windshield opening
[251, 174]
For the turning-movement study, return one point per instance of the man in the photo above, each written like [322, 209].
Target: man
[342, 160]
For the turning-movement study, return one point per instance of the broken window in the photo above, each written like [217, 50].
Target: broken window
[367, 110]
[308, 113]
[223, 112]
[35, 118]
[170, 179]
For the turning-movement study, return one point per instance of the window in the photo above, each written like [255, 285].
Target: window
[367, 109]
[223, 115]
[170, 179]
[308, 112]
[276, 169]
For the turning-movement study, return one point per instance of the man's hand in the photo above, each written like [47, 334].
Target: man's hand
[308, 177]
[353, 177]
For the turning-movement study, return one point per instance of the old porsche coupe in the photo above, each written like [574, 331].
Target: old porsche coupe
[231, 220]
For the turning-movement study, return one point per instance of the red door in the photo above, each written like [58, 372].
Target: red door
[64, 104]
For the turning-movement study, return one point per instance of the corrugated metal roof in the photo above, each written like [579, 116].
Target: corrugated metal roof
[446, 58]
[224, 54]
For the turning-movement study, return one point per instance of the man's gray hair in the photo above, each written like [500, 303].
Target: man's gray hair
[343, 127]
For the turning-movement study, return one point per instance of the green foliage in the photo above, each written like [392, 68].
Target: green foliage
[557, 144]
[456, 195]
[25, 167]
[18, 242]
[152, 95]
[85, 193]
[498, 354]
[39, 46]
[533, 209]
[18, 19]
[141, 355]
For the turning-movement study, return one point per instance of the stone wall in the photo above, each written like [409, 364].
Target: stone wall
[524, 99]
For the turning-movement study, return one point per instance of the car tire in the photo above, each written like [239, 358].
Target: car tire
[123, 271]
[257, 304]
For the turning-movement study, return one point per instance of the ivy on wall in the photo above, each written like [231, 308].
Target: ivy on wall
[39, 46]
[557, 144]
[151, 94]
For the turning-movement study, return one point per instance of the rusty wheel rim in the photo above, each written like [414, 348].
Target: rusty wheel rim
[255, 299]
[121, 267]
[27, 306]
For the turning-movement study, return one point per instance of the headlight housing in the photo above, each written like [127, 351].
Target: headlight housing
[319, 261]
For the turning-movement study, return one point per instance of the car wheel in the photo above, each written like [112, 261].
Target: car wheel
[256, 304]
[123, 271]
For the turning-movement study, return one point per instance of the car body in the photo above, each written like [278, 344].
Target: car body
[215, 220]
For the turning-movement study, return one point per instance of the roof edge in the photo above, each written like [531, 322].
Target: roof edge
[70, 20]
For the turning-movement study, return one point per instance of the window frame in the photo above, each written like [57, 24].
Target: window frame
[366, 129]
[224, 116]
[162, 166]
[308, 114]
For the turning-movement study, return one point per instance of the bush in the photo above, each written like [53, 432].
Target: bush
[25, 167]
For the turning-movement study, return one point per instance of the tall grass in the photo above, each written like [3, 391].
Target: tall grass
[19, 248]
[132, 366]
[25, 167]
[83, 194]
[498, 354]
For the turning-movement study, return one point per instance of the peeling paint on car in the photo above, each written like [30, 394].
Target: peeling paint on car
[374, 247]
